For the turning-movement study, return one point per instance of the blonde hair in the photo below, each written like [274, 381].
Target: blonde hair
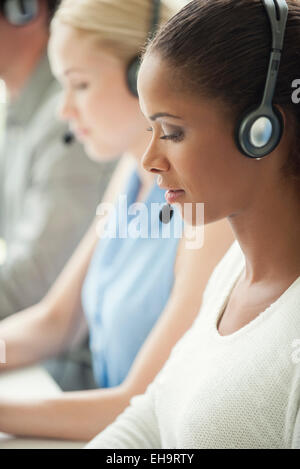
[122, 26]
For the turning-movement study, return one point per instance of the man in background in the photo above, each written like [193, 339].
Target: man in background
[49, 189]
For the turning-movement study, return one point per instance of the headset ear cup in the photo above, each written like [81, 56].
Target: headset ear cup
[132, 73]
[244, 124]
[238, 134]
[134, 65]
[20, 12]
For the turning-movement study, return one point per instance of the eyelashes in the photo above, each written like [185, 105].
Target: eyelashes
[175, 137]
[81, 86]
[178, 137]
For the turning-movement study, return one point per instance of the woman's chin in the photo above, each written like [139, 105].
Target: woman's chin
[191, 213]
[98, 154]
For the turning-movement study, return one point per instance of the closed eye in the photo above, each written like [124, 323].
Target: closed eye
[177, 136]
[81, 86]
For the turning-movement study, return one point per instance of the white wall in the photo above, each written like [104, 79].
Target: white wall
[177, 3]
[2, 106]
[2, 92]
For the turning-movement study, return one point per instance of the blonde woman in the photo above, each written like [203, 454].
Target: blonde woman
[126, 287]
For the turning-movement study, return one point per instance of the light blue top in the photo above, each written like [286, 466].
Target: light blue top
[127, 287]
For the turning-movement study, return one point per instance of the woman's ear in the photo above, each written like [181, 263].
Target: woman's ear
[288, 135]
[283, 114]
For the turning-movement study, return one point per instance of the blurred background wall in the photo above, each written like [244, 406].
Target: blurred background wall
[2, 107]
[2, 116]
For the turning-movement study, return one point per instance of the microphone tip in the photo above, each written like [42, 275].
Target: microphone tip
[166, 214]
[68, 138]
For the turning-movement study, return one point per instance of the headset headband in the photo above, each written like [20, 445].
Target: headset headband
[155, 18]
[278, 12]
[134, 64]
[260, 129]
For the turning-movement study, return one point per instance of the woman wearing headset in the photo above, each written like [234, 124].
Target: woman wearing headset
[233, 380]
[128, 282]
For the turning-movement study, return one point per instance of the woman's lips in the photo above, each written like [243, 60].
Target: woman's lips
[81, 134]
[173, 195]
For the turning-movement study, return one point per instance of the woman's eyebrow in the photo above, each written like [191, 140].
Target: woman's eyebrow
[163, 114]
[73, 70]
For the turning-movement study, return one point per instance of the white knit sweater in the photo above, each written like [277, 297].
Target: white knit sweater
[236, 391]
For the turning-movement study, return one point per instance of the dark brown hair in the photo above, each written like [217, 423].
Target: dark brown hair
[52, 7]
[221, 48]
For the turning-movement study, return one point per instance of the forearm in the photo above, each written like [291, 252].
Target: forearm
[29, 336]
[73, 416]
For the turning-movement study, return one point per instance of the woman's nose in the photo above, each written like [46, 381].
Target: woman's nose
[66, 111]
[154, 161]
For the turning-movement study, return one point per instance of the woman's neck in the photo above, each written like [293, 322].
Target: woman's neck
[268, 232]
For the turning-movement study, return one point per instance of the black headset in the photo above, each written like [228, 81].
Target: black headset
[19, 12]
[260, 129]
[134, 64]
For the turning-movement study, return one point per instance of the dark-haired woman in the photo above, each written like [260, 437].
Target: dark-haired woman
[233, 380]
